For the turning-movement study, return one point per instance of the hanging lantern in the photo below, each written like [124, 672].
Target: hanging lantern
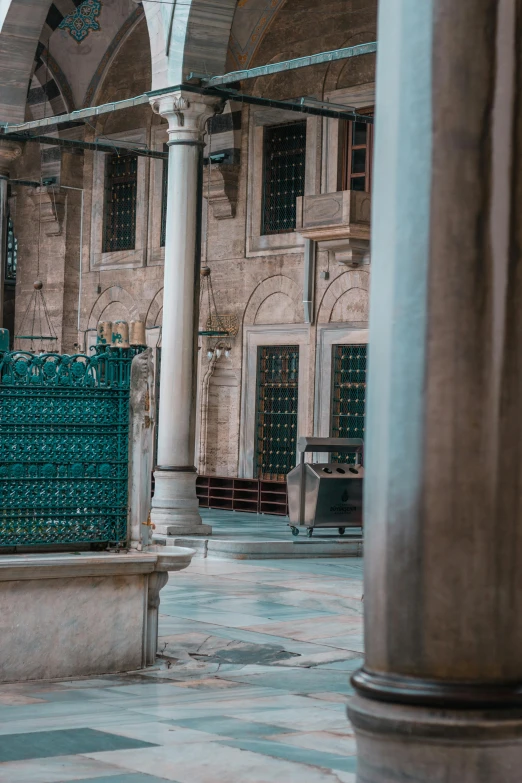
[42, 336]
[215, 326]
[218, 326]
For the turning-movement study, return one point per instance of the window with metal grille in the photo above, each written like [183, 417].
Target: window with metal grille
[276, 414]
[284, 176]
[121, 184]
[11, 256]
[348, 394]
[358, 153]
[164, 187]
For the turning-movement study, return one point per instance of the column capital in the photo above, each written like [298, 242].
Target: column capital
[186, 113]
[9, 151]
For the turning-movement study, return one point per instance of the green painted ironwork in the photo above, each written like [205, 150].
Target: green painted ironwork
[11, 255]
[276, 416]
[284, 175]
[64, 425]
[121, 185]
[348, 394]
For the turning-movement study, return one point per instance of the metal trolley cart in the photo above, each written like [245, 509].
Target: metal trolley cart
[326, 495]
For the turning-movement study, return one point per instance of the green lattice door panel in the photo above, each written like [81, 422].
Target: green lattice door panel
[64, 427]
[276, 414]
[348, 394]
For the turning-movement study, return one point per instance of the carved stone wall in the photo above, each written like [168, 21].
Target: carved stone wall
[260, 287]
[219, 427]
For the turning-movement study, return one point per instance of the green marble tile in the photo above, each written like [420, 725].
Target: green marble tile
[65, 742]
[230, 727]
[315, 758]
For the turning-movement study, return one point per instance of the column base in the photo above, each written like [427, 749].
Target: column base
[424, 745]
[175, 507]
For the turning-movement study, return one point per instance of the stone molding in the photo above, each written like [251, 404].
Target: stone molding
[344, 282]
[155, 308]
[119, 259]
[329, 335]
[49, 203]
[60, 566]
[270, 334]
[186, 114]
[224, 189]
[267, 287]
[114, 293]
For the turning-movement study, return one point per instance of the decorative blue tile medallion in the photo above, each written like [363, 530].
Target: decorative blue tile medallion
[82, 20]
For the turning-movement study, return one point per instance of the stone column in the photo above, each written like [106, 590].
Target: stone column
[440, 694]
[9, 151]
[175, 505]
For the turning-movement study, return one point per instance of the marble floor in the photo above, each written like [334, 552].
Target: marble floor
[231, 524]
[250, 687]
[239, 524]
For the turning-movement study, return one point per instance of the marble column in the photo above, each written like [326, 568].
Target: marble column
[175, 505]
[9, 151]
[440, 695]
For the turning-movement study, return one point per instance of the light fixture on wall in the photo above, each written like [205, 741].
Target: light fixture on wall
[218, 327]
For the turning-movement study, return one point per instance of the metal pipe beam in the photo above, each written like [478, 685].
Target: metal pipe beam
[291, 65]
[300, 108]
[86, 145]
[228, 78]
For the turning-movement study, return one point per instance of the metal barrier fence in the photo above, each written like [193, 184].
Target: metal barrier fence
[64, 447]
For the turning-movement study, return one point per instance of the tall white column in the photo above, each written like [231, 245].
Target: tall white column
[440, 695]
[9, 151]
[175, 505]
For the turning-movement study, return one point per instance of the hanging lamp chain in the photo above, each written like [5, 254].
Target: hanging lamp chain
[41, 319]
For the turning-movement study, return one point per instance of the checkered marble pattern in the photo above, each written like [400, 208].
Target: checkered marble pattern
[250, 688]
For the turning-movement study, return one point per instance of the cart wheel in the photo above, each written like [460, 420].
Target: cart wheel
[295, 530]
[341, 531]
[310, 532]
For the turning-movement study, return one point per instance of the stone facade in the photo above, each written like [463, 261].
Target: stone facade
[257, 279]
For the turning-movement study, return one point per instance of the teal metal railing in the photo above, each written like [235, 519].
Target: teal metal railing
[64, 441]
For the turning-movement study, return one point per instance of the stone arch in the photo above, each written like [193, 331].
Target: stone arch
[219, 419]
[335, 70]
[22, 25]
[242, 47]
[125, 31]
[278, 286]
[155, 312]
[195, 34]
[348, 291]
[48, 79]
[115, 295]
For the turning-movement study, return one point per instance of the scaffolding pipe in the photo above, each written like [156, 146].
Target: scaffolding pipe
[140, 100]
[294, 106]
[290, 65]
[75, 144]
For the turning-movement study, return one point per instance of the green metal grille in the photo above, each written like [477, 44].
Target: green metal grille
[348, 394]
[284, 175]
[276, 419]
[11, 256]
[120, 202]
[64, 424]
[164, 189]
